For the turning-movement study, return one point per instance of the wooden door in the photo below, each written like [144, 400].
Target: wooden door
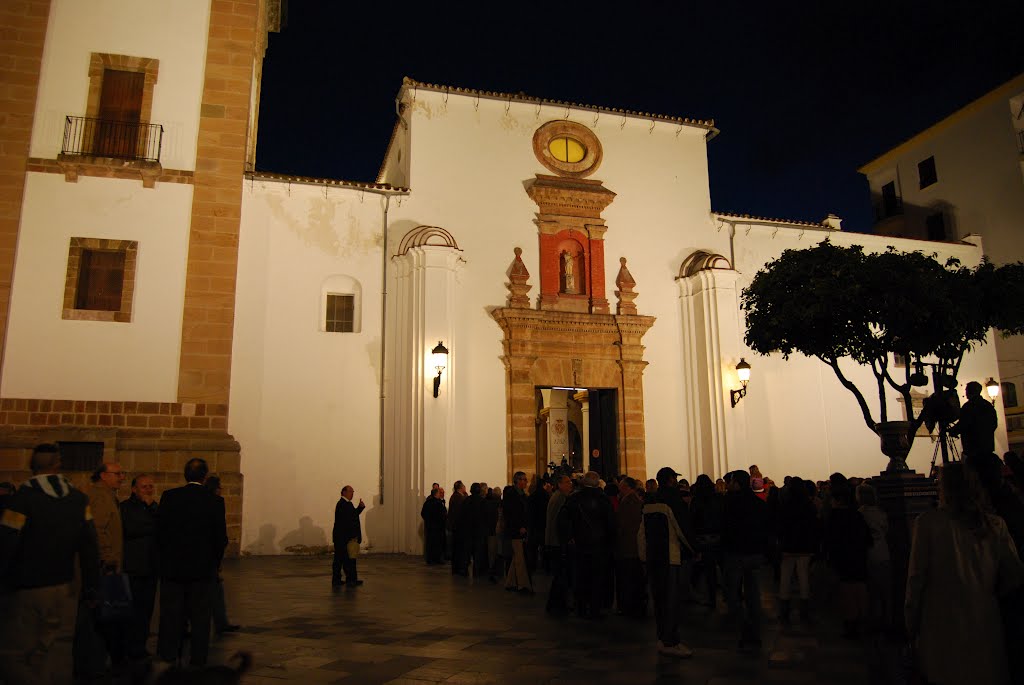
[117, 131]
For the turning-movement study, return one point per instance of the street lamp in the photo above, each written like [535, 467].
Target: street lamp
[992, 388]
[440, 358]
[743, 373]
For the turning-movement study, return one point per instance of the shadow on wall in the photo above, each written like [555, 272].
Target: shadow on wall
[374, 522]
[306, 535]
[264, 544]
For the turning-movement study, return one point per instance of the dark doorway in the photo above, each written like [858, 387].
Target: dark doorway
[604, 432]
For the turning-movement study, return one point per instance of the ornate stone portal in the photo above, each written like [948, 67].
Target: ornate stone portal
[571, 339]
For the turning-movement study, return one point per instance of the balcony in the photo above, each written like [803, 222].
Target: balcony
[125, 140]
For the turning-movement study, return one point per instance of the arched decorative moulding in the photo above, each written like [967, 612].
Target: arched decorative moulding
[592, 155]
[423, 236]
[701, 260]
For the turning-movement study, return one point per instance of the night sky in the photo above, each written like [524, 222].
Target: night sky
[804, 93]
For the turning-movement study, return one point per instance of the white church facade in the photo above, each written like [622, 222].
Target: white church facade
[166, 302]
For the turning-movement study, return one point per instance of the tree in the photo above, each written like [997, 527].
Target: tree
[833, 302]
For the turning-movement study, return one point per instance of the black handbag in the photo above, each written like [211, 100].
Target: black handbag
[115, 598]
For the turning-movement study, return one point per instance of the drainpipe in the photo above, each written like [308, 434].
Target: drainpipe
[387, 195]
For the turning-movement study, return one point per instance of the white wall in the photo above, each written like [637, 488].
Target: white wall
[49, 357]
[304, 403]
[173, 32]
[469, 163]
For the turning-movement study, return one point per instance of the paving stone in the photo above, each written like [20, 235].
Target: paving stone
[412, 625]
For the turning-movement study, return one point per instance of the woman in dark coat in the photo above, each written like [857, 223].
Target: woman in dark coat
[706, 515]
[435, 516]
[799, 531]
[847, 539]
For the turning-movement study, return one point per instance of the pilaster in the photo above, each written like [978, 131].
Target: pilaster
[422, 435]
[21, 58]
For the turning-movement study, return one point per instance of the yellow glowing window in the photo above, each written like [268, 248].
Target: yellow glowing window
[566, 149]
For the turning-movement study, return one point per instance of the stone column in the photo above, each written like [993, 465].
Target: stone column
[21, 54]
[584, 400]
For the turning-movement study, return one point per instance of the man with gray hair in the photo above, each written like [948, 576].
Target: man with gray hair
[46, 524]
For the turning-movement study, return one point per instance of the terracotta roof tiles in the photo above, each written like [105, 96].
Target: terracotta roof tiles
[309, 180]
[765, 219]
[708, 124]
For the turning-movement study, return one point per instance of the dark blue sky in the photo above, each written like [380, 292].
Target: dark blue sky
[804, 93]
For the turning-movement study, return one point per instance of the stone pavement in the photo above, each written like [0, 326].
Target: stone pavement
[414, 624]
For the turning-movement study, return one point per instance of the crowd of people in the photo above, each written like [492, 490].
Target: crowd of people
[629, 546]
[636, 547]
[125, 552]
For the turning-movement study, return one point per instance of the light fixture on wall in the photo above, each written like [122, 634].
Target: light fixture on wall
[743, 372]
[992, 388]
[440, 357]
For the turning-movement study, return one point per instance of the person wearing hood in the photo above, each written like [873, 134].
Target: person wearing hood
[47, 523]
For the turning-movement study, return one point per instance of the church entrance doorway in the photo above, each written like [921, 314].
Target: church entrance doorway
[577, 429]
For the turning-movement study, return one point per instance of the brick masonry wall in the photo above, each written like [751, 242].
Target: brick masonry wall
[207, 322]
[160, 452]
[23, 26]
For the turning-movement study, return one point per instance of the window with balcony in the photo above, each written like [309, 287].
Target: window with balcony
[926, 172]
[891, 202]
[100, 280]
[117, 124]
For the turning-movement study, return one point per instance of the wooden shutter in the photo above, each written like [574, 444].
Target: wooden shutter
[100, 280]
[117, 131]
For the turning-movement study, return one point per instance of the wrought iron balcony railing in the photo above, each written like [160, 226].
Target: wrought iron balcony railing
[118, 139]
[888, 207]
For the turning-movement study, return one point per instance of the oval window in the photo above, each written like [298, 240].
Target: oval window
[567, 150]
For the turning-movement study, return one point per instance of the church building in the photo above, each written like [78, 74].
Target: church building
[526, 281]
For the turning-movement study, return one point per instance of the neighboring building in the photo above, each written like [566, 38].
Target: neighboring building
[125, 130]
[166, 303]
[964, 176]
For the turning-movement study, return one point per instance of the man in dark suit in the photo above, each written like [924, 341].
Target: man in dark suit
[192, 536]
[346, 530]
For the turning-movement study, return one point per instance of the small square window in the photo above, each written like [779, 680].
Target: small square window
[80, 456]
[926, 172]
[100, 280]
[1009, 395]
[340, 313]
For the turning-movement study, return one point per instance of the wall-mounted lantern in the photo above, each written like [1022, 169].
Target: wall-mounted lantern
[440, 357]
[992, 388]
[743, 373]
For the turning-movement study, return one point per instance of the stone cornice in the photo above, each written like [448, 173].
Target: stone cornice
[569, 196]
[549, 321]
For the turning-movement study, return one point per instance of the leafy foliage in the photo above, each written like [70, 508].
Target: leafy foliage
[834, 302]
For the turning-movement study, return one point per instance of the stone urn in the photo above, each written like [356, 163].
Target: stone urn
[895, 439]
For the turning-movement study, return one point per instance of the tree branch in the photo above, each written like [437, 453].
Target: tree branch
[852, 388]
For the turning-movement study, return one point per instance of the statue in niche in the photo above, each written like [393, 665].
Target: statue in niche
[569, 273]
